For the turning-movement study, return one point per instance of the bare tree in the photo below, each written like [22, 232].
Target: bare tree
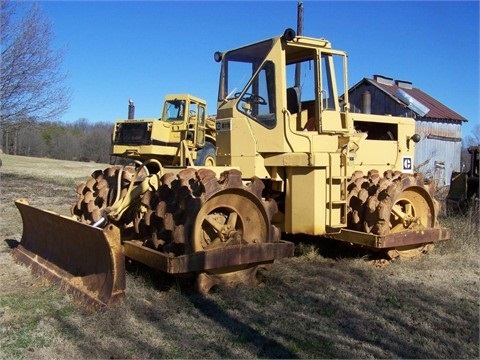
[97, 143]
[474, 137]
[30, 141]
[66, 146]
[31, 80]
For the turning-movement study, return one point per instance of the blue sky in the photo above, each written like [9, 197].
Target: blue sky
[143, 50]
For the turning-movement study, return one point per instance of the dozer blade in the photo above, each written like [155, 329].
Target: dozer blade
[88, 260]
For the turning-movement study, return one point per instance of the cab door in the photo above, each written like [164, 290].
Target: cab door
[200, 112]
[332, 71]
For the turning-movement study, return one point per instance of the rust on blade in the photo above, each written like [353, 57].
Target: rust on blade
[220, 258]
[89, 260]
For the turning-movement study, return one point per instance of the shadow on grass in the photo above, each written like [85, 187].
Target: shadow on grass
[12, 243]
[263, 346]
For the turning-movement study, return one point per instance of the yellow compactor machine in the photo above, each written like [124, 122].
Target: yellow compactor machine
[291, 158]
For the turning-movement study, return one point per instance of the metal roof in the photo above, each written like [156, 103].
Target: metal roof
[436, 109]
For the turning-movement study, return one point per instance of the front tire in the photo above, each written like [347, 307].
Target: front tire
[206, 156]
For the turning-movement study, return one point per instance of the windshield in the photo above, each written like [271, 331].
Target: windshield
[246, 75]
[239, 66]
[174, 110]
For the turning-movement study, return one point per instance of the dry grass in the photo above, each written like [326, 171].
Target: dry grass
[326, 302]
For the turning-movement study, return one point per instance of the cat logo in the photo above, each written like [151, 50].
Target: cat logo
[407, 164]
[223, 125]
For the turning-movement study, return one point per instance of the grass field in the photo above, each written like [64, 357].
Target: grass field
[326, 302]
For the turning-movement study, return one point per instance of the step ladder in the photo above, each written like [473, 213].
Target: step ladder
[337, 191]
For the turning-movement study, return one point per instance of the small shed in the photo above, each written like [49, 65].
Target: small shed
[439, 151]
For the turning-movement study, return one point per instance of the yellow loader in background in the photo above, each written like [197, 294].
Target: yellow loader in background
[183, 135]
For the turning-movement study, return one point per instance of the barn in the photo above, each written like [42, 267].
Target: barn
[438, 153]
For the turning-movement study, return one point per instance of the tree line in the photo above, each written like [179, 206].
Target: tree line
[79, 141]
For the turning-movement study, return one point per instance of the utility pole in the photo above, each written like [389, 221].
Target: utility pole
[299, 32]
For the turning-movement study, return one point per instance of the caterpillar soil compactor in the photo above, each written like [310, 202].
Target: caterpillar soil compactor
[291, 158]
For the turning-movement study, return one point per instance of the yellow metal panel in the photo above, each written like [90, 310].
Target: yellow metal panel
[305, 201]
[320, 159]
[324, 143]
[331, 121]
[375, 153]
[144, 150]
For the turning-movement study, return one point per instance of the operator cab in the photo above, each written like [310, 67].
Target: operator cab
[264, 91]
[187, 114]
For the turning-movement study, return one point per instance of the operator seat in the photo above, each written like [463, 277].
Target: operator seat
[293, 100]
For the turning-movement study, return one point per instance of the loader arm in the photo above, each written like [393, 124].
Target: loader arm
[134, 192]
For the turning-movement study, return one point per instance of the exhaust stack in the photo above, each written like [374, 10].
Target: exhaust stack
[366, 102]
[131, 110]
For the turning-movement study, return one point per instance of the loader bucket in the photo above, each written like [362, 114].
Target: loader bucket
[89, 261]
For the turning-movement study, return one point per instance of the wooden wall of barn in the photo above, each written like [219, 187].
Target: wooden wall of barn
[439, 150]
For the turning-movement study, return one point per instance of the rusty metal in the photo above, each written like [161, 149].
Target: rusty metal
[220, 258]
[88, 260]
[465, 186]
[394, 240]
